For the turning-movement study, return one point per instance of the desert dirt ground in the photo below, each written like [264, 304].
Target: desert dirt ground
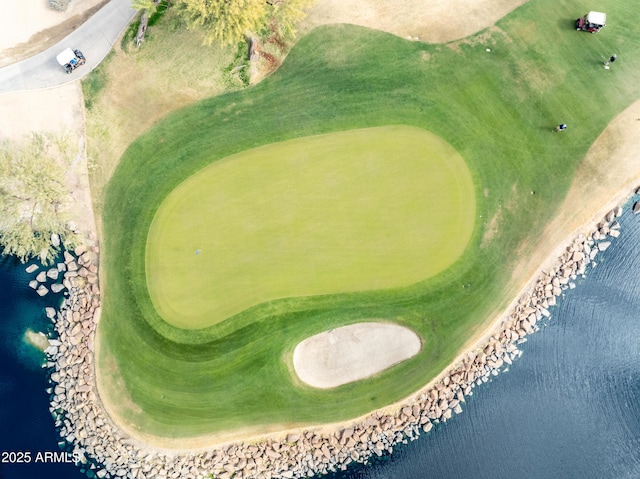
[433, 21]
[608, 174]
[57, 110]
[30, 26]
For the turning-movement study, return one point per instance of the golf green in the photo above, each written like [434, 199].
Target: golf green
[495, 108]
[359, 210]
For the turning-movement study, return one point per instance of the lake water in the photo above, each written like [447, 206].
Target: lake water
[27, 425]
[569, 408]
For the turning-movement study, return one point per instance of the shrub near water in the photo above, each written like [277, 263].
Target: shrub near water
[34, 199]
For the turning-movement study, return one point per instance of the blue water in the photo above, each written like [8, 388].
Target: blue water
[569, 408]
[27, 425]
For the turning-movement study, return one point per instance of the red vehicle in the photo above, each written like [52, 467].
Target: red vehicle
[592, 22]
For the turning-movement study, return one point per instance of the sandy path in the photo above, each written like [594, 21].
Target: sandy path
[32, 21]
[431, 21]
[60, 108]
[55, 109]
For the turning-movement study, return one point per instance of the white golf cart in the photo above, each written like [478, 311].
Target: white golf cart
[70, 59]
[592, 22]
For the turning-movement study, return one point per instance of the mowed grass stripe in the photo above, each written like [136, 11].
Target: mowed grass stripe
[351, 211]
[496, 109]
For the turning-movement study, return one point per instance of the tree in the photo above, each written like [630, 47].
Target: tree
[228, 21]
[224, 21]
[147, 7]
[284, 14]
[34, 197]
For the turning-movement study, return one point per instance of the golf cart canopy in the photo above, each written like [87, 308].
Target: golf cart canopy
[66, 57]
[597, 18]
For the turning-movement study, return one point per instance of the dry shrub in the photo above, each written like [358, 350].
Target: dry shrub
[59, 5]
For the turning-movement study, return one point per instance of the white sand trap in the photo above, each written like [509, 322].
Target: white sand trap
[353, 352]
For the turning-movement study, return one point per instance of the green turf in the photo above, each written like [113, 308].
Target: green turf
[496, 109]
[352, 211]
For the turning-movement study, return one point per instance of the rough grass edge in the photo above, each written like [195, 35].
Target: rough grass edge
[95, 82]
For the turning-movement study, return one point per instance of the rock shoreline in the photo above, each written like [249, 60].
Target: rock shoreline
[108, 452]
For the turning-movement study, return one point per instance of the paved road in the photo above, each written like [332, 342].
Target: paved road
[94, 38]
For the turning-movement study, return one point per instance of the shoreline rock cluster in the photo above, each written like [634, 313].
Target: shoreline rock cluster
[83, 423]
[43, 277]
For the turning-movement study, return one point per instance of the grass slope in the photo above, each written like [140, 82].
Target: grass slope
[496, 109]
[170, 70]
[350, 211]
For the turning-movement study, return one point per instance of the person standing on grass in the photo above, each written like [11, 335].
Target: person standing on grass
[560, 127]
[611, 59]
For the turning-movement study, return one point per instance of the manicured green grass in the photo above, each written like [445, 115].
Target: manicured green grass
[496, 109]
[351, 211]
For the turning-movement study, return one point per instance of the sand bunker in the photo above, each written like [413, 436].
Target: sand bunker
[353, 352]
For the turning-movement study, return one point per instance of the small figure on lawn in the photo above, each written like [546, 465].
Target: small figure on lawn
[611, 59]
[560, 127]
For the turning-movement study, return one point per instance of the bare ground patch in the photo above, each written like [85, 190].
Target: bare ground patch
[30, 28]
[607, 175]
[493, 227]
[57, 110]
[433, 21]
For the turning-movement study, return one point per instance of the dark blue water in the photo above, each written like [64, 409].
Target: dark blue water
[569, 408]
[25, 422]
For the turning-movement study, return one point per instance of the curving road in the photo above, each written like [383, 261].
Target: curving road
[94, 38]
